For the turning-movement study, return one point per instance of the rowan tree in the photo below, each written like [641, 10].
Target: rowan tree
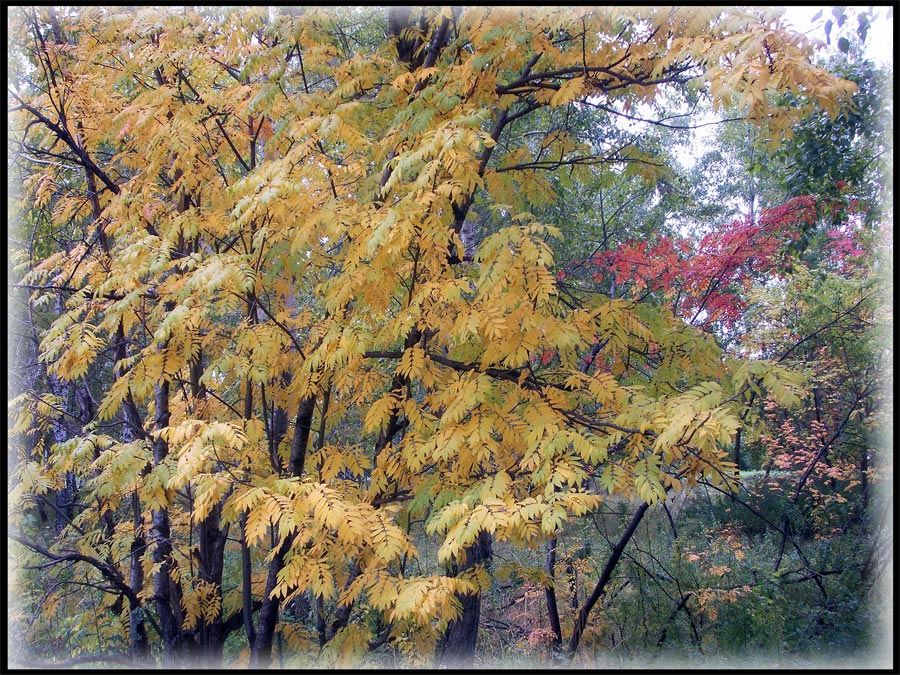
[277, 331]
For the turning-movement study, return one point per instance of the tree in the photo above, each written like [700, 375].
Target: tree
[294, 347]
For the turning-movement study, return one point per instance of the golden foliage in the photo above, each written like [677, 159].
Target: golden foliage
[282, 229]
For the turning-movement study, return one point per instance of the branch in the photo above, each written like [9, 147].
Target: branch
[812, 464]
[759, 515]
[434, 47]
[280, 325]
[108, 571]
[231, 145]
[151, 293]
[605, 576]
[583, 70]
[825, 326]
[66, 137]
[585, 160]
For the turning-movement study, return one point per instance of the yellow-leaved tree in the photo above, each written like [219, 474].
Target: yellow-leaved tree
[292, 338]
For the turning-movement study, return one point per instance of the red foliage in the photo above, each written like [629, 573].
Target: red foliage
[804, 452]
[844, 250]
[706, 280]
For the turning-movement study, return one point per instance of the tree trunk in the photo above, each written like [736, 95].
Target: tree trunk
[246, 582]
[261, 649]
[210, 553]
[456, 647]
[211, 562]
[66, 496]
[137, 633]
[550, 595]
[862, 516]
[409, 48]
[165, 592]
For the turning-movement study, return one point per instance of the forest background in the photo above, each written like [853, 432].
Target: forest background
[400, 337]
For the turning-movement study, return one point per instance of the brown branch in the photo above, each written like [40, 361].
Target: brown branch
[605, 576]
[550, 596]
[151, 293]
[109, 572]
[537, 79]
[258, 303]
[64, 135]
[231, 145]
[815, 460]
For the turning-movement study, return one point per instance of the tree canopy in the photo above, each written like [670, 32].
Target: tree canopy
[321, 308]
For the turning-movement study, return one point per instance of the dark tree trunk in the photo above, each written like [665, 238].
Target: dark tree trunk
[456, 647]
[211, 562]
[342, 614]
[246, 582]
[550, 595]
[864, 465]
[165, 592]
[210, 553]
[321, 626]
[261, 649]
[137, 633]
[261, 652]
[409, 45]
[66, 496]
[279, 431]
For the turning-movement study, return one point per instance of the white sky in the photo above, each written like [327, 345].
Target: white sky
[880, 39]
